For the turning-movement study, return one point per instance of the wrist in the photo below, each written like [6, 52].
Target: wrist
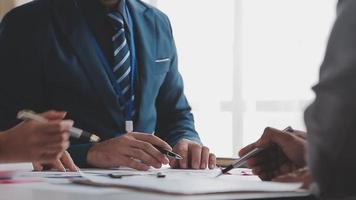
[92, 156]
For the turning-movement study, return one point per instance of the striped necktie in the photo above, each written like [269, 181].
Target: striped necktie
[122, 63]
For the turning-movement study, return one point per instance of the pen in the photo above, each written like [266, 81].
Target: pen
[168, 153]
[74, 132]
[241, 161]
[129, 129]
[120, 175]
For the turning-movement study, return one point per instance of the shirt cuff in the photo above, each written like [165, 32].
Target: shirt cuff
[79, 154]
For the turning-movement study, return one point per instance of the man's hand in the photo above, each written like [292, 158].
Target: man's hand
[194, 156]
[285, 153]
[134, 150]
[299, 176]
[65, 162]
[35, 141]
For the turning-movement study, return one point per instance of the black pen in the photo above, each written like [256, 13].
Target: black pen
[129, 129]
[241, 161]
[168, 153]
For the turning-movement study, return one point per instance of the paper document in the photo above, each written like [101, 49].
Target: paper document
[49, 174]
[188, 182]
[171, 181]
[164, 170]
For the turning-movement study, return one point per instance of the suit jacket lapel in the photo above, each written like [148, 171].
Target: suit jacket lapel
[71, 22]
[144, 23]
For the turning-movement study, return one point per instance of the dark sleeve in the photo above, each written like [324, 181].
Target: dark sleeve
[331, 119]
[23, 33]
[174, 118]
[79, 154]
[20, 67]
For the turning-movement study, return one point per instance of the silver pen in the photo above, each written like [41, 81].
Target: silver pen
[74, 132]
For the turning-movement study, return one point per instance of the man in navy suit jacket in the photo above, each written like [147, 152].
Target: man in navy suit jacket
[58, 54]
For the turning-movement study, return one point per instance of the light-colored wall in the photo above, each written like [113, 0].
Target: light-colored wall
[5, 6]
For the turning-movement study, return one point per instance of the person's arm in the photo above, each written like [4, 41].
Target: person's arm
[175, 123]
[175, 120]
[21, 47]
[331, 119]
[20, 50]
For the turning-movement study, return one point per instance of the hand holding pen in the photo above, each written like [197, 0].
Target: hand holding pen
[74, 132]
[132, 149]
[283, 152]
[36, 141]
[165, 151]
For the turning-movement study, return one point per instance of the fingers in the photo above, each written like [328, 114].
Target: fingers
[205, 158]
[273, 136]
[285, 168]
[174, 163]
[268, 137]
[212, 161]
[57, 164]
[54, 115]
[152, 140]
[148, 152]
[134, 164]
[68, 162]
[57, 126]
[300, 175]
[182, 149]
[195, 151]
[55, 135]
[268, 173]
[47, 157]
[37, 166]
[247, 149]
[194, 156]
[55, 141]
[288, 178]
[271, 158]
[144, 157]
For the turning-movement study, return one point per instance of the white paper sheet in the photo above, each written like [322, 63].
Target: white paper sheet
[175, 181]
[48, 174]
[189, 182]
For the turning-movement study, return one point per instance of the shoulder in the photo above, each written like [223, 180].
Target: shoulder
[160, 16]
[155, 10]
[27, 17]
[346, 8]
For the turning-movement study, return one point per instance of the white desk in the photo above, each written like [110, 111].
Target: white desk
[47, 191]
[44, 191]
